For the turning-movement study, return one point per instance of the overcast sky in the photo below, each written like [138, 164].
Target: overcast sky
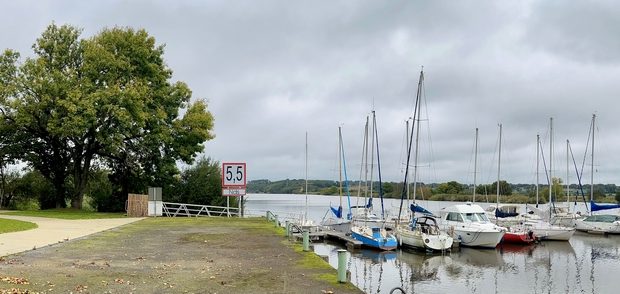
[273, 70]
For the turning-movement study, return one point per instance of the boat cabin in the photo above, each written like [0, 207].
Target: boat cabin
[602, 218]
[464, 213]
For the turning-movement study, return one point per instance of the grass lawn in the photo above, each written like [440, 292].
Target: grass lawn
[67, 213]
[9, 225]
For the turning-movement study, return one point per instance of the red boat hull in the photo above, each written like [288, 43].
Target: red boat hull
[518, 238]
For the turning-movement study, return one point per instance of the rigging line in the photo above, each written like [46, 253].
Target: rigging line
[431, 154]
[493, 165]
[402, 149]
[404, 191]
[374, 124]
[583, 196]
[364, 147]
[346, 179]
[585, 153]
[542, 155]
[471, 159]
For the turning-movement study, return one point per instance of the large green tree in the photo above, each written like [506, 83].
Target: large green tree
[108, 99]
[452, 187]
[504, 188]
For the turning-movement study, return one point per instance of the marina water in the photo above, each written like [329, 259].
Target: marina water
[586, 264]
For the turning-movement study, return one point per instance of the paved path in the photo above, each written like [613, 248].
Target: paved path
[52, 231]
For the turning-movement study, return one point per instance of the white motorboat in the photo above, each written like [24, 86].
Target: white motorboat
[605, 223]
[469, 224]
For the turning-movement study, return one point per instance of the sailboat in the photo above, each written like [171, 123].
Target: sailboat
[420, 232]
[364, 213]
[514, 234]
[305, 222]
[542, 228]
[599, 223]
[372, 234]
[504, 215]
[338, 222]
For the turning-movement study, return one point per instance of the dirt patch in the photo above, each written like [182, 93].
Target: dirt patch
[165, 255]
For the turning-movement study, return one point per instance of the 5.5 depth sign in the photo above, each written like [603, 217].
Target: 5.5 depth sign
[233, 178]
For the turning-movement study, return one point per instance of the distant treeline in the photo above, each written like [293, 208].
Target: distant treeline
[449, 191]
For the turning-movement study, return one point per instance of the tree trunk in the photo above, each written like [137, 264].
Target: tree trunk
[59, 189]
[81, 170]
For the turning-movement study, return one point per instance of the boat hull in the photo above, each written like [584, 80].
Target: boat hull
[478, 238]
[338, 225]
[547, 232]
[418, 240]
[598, 226]
[518, 238]
[382, 242]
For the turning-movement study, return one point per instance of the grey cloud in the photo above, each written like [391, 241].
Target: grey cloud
[272, 70]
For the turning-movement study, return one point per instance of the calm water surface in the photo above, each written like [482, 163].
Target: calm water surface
[586, 264]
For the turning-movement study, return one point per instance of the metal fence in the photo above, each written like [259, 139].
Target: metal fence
[182, 209]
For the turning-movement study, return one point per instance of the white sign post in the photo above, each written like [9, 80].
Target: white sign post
[233, 182]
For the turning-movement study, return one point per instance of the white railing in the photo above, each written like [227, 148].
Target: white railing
[182, 209]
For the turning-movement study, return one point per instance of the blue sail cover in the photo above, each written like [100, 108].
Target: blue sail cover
[337, 211]
[501, 214]
[417, 208]
[597, 207]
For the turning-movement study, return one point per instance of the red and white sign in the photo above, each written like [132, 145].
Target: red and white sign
[233, 178]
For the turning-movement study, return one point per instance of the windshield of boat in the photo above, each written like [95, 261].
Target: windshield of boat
[476, 217]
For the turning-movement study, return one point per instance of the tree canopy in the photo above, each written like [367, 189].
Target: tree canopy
[107, 100]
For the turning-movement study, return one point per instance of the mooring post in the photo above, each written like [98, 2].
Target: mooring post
[342, 268]
[306, 235]
[287, 229]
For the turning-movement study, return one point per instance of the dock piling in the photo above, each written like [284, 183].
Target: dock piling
[306, 235]
[342, 266]
[287, 229]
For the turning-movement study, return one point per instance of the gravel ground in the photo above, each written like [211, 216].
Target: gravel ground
[173, 255]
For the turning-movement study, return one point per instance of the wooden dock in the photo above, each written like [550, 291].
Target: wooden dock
[342, 237]
[333, 236]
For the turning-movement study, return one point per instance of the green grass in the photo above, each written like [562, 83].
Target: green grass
[9, 225]
[68, 213]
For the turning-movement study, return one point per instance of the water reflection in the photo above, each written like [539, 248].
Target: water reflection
[587, 264]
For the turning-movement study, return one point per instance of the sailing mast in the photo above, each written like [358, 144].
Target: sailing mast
[567, 182]
[499, 159]
[537, 165]
[372, 161]
[376, 136]
[340, 168]
[417, 149]
[475, 163]
[592, 163]
[407, 147]
[363, 165]
[417, 101]
[550, 162]
[306, 212]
